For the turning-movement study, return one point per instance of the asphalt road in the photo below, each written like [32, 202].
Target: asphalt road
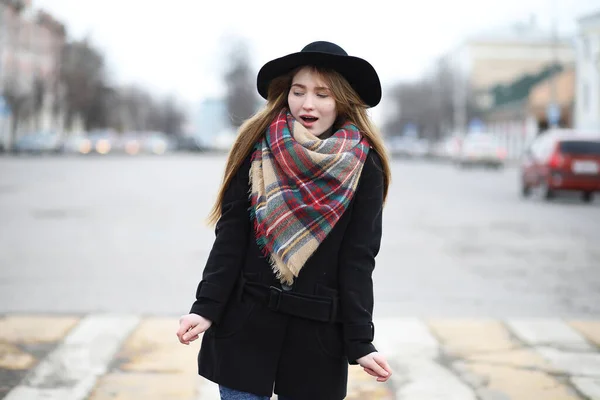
[122, 234]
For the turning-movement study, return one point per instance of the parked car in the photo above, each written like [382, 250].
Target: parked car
[76, 144]
[446, 149]
[408, 146]
[562, 160]
[156, 143]
[102, 141]
[129, 143]
[191, 143]
[481, 149]
[38, 143]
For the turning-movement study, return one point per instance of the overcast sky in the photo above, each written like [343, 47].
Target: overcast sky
[177, 45]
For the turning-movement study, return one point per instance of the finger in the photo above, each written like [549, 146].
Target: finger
[376, 368]
[379, 378]
[194, 332]
[180, 336]
[183, 341]
[184, 326]
[183, 336]
[384, 364]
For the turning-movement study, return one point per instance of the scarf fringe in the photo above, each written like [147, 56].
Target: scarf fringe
[261, 241]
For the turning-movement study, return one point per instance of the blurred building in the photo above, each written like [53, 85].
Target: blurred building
[531, 95]
[587, 100]
[558, 89]
[521, 108]
[31, 44]
[499, 57]
[498, 69]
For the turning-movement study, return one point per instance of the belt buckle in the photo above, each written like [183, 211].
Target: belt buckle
[274, 298]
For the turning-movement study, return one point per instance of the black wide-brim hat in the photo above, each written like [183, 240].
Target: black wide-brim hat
[358, 72]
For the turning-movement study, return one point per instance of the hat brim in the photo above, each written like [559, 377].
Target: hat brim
[359, 73]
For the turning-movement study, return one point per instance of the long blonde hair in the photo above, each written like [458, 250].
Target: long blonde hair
[350, 107]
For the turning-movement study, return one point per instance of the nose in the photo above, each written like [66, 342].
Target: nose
[308, 103]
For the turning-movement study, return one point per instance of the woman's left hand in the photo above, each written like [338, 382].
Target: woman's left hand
[376, 365]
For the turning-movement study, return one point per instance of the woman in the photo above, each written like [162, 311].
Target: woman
[286, 297]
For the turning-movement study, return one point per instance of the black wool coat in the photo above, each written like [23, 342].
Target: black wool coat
[253, 346]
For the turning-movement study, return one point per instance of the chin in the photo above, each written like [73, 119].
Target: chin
[318, 133]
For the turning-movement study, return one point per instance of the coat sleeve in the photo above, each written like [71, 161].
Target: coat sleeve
[228, 251]
[357, 261]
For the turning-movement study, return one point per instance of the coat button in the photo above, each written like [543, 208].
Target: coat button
[285, 287]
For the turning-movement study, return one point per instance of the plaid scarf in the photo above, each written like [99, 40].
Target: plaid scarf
[301, 186]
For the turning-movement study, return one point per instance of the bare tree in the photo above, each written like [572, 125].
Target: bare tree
[167, 117]
[134, 109]
[82, 72]
[239, 80]
[17, 96]
[429, 103]
[98, 112]
[20, 103]
[39, 92]
[415, 104]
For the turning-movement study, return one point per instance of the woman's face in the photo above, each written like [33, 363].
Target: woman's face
[311, 103]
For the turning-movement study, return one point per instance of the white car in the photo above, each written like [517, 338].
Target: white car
[406, 146]
[77, 144]
[481, 149]
[447, 149]
[156, 143]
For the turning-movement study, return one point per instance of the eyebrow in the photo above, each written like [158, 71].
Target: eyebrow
[304, 87]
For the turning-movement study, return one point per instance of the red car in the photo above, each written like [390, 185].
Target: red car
[562, 160]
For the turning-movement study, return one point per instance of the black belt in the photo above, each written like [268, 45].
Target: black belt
[318, 308]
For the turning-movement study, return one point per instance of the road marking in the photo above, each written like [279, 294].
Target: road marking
[412, 351]
[497, 366]
[70, 372]
[565, 349]
[405, 337]
[590, 387]
[432, 359]
[572, 363]
[548, 332]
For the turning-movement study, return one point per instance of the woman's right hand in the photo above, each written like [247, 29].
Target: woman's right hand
[191, 326]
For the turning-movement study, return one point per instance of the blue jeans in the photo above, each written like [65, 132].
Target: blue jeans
[230, 394]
